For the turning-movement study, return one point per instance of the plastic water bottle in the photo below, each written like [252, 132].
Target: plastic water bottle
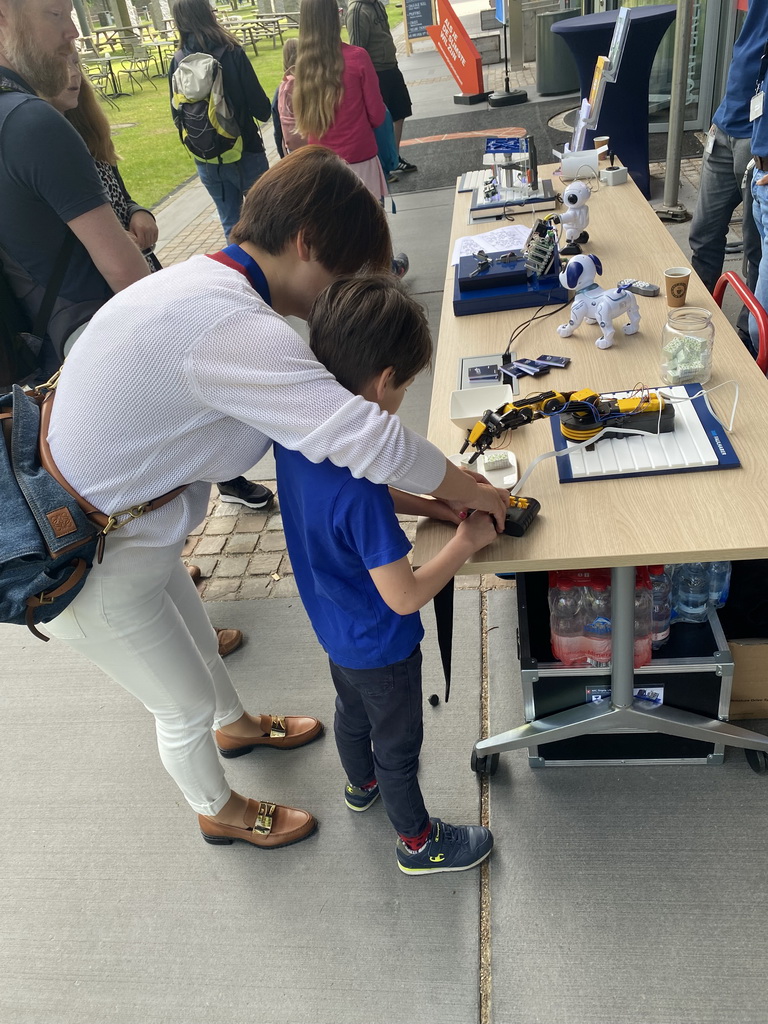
[661, 587]
[692, 592]
[719, 583]
[566, 622]
[597, 602]
[643, 617]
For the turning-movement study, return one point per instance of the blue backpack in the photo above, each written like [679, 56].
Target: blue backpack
[50, 534]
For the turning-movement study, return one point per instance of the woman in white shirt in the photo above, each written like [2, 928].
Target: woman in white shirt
[185, 378]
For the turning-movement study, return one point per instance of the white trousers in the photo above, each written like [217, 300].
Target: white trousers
[150, 632]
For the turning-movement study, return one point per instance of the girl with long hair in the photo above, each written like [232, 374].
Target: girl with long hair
[282, 105]
[200, 32]
[80, 105]
[336, 97]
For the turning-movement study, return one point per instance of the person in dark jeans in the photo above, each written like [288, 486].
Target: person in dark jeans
[200, 32]
[349, 556]
[727, 154]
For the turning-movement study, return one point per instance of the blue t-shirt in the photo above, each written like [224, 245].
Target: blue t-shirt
[336, 529]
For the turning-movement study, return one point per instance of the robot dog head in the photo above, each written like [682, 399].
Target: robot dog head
[576, 195]
[580, 271]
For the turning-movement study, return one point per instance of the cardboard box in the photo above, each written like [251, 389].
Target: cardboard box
[749, 696]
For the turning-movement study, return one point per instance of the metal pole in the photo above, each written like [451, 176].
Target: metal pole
[510, 11]
[86, 27]
[672, 209]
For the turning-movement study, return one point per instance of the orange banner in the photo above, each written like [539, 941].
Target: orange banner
[457, 49]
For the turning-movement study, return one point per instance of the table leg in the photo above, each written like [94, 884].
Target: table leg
[161, 57]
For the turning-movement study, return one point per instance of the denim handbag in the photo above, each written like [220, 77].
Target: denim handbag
[385, 140]
[50, 534]
[47, 544]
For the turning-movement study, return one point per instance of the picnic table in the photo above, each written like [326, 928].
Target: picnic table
[267, 26]
[115, 35]
[162, 47]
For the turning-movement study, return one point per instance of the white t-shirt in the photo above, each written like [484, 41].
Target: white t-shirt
[185, 378]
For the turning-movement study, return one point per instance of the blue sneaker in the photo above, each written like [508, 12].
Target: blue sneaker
[449, 848]
[360, 799]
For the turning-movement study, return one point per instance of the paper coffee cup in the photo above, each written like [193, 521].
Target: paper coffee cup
[676, 283]
[602, 140]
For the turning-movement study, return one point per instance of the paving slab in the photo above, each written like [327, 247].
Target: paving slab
[114, 911]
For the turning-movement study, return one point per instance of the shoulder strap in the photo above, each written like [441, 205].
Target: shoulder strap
[107, 523]
[54, 284]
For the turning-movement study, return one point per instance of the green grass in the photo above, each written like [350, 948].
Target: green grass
[153, 160]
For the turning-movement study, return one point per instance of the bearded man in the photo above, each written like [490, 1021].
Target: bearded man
[48, 182]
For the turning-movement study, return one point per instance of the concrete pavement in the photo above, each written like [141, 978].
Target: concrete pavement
[613, 894]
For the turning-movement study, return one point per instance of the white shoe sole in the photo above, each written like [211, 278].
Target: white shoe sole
[359, 810]
[248, 504]
[438, 870]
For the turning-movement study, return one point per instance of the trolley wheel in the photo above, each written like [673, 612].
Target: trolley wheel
[757, 760]
[486, 765]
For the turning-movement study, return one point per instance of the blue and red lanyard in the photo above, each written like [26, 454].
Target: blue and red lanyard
[238, 259]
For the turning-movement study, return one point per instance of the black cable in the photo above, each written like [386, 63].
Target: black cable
[521, 327]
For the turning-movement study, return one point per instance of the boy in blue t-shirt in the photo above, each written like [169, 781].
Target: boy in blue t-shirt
[349, 556]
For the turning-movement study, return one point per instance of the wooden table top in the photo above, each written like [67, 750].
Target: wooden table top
[641, 520]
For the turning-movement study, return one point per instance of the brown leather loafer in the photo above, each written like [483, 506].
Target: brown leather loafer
[265, 824]
[194, 572]
[229, 640]
[284, 732]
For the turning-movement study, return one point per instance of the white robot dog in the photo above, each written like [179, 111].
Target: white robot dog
[595, 305]
[575, 217]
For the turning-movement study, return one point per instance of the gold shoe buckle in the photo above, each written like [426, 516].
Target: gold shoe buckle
[278, 729]
[263, 824]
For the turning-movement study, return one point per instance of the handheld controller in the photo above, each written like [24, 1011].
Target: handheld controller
[638, 287]
[520, 515]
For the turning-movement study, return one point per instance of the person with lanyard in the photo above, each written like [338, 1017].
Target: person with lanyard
[203, 373]
[758, 115]
[724, 163]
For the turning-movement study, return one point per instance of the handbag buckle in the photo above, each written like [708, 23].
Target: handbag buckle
[118, 519]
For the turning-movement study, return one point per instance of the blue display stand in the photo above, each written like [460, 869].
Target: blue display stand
[624, 111]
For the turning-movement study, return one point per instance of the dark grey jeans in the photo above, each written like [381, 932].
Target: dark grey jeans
[379, 730]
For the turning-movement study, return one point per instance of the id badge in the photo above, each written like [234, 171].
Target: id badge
[756, 106]
[709, 145]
